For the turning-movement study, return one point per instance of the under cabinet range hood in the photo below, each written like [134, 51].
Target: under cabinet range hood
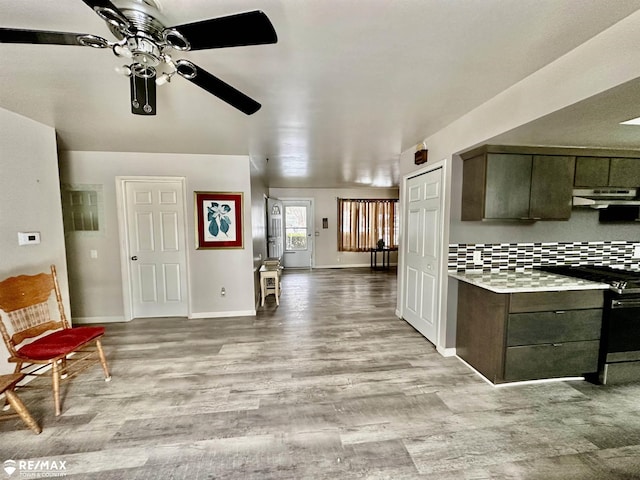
[604, 197]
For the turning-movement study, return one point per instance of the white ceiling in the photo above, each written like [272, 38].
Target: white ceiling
[349, 85]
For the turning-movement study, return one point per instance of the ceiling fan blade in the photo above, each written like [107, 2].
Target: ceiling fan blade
[250, 28]
[13, 35]
[217, 87]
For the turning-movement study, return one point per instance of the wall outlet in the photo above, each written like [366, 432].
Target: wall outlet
[223, 292]
[477, 257]
[636, 251]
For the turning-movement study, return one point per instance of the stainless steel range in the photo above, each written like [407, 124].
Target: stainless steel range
[620, 339]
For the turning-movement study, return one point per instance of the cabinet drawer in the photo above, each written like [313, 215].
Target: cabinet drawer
[553, 327]
[552, 360]
[551, 301]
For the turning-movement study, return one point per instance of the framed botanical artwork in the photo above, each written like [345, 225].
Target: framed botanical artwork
[218, 220]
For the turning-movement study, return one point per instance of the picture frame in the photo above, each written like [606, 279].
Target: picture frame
[218, 218]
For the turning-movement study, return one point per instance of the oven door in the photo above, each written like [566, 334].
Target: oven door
[621, 336]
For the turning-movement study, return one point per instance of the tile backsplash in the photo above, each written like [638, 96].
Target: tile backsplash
[522, 256]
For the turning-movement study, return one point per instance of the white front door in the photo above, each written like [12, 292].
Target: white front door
[422, 247]
[154, 212]
[298, 242]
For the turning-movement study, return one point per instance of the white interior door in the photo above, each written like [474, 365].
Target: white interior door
[422, 247]
[298, 240]
[154, 212]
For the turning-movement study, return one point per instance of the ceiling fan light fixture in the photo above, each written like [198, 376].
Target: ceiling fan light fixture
[145, 40]
[122, 51]
[163, 79]
[124, 70]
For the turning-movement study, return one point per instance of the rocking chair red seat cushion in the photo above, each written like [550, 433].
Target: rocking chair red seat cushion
[61, 342]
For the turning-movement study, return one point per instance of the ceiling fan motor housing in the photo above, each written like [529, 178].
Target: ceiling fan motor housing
[143, 15]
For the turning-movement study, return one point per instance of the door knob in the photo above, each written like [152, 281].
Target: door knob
[134, 258]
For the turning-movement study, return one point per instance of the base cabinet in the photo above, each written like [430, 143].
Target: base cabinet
[529, 336]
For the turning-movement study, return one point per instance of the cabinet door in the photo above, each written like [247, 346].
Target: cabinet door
[592, 172]
[473, 187]
[508, 186]
[551, 186]
[624, 172]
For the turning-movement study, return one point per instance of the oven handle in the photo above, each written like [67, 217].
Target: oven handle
[625, 303]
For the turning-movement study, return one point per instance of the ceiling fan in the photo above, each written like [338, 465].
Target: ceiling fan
[144, 40]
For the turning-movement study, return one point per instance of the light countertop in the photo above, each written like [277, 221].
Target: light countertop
[510, 281]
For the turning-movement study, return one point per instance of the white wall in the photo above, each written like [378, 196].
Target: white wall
[96, 284]
[326, 254]
[604, 62]
[29, 201]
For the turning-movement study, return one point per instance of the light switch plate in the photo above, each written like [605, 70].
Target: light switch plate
[477, 257]
[636, 251]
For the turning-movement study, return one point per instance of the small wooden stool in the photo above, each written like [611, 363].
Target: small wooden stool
[270, 282]
[7, 384]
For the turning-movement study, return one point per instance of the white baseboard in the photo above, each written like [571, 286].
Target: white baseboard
[446, 352]
[351, 265]
[238, 313]
[343, 265]
[85, 320]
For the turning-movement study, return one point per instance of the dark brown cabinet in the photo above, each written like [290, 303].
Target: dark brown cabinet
[512, 186]
[593, 172]
[528, 336]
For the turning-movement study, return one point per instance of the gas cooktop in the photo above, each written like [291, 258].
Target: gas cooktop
[622, 281]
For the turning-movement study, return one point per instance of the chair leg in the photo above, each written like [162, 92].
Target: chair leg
[56, 385]
[21, 410]
[103, 361]
[7, 405]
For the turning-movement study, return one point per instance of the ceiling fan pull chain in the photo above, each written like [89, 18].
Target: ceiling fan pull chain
[135, 102]
[147, 108]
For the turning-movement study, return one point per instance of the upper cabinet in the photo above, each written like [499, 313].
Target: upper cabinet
[536, 183]
[607, 172]
[511, 186]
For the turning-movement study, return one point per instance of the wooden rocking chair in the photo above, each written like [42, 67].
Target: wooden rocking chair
[34, 339]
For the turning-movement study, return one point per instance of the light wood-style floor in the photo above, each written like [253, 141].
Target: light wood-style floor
[330, 385]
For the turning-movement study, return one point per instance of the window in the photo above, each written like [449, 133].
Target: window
[361, 223]
[295, 227]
